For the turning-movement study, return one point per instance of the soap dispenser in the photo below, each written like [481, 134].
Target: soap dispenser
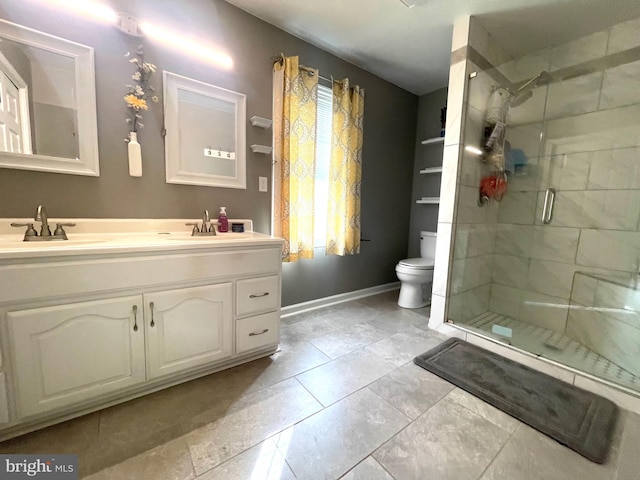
[223, 221]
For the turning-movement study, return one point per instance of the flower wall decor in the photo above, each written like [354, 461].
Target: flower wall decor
[136, 100]
[140, 92]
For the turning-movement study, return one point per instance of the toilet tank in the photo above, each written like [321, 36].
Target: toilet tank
[428, 245]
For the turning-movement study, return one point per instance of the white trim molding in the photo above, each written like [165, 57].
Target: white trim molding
[336, 299]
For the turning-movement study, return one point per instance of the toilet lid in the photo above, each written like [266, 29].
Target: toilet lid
[417, 263]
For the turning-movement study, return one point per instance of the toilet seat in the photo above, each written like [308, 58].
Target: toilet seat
[416, 263]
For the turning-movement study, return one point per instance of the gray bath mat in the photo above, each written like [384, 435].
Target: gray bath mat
[574, 417]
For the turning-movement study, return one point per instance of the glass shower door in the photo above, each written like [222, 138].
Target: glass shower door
[552, 268]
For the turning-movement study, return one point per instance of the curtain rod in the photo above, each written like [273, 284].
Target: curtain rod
[312, 72]
[309, 70]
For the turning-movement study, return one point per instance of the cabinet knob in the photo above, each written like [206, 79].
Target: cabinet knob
[260, 295]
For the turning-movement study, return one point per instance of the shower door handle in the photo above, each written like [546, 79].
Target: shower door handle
[547, 209]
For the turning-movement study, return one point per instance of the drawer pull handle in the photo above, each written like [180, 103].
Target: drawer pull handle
[135, 318]
[253, 334]
[258, 296]
[152, 324]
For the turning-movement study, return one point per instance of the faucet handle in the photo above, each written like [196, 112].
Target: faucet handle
[195, 227]
[59, 231]
[31, 232]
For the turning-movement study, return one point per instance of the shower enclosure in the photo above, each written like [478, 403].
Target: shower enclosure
[552, 264]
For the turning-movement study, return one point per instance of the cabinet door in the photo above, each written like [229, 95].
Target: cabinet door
[187, 328]
[77, 352]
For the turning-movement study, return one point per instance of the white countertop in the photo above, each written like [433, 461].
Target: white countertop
[122, 236]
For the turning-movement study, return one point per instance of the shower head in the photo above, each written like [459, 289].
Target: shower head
[518, 99]
[525, 91]
[543, 78]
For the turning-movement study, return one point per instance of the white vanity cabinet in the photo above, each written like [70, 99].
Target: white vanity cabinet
[71, 353]
[79, 332]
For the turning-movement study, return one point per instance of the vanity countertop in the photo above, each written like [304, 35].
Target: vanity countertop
[114, 236]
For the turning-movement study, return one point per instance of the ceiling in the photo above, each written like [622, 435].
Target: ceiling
[410, 47]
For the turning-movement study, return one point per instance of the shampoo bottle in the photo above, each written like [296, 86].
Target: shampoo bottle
[223, 221]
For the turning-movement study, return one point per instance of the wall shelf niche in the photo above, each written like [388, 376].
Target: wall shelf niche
[430, 141]
[431, 170]
[261, 149]
[260, 122]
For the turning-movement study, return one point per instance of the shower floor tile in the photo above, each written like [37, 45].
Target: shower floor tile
[555, 346]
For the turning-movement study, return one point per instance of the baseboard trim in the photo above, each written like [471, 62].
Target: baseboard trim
[336, 299]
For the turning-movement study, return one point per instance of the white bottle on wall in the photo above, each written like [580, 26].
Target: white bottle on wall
[135, 156]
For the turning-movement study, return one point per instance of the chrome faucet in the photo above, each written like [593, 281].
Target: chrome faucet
[45, 231]
[206, 222]
[205, 229]
[41, 216]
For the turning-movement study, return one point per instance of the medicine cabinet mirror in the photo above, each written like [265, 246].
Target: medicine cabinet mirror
[205, 141]
[47, 103]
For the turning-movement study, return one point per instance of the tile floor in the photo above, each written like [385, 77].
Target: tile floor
[341, 400]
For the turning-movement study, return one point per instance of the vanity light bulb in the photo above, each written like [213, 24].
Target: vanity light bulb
[88, 8]
[183, 44]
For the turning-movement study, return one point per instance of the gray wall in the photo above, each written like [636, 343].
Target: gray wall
[389, 137]
[425, 217]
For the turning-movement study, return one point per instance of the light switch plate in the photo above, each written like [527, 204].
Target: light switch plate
[262, 184]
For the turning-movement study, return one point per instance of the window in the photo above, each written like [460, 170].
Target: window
[323, 158]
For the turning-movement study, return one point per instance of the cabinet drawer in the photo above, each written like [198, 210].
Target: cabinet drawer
[256, 295]
[258, 331]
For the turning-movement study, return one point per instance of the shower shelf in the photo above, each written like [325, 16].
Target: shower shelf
[429, 141]
[431, 170]
[429, 200]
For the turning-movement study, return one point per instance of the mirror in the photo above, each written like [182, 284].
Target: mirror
[205, 141]
[47, 104]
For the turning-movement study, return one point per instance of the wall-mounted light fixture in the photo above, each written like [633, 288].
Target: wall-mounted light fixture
[130, 25]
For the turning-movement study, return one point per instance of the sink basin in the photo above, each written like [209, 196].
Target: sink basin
[20, 243]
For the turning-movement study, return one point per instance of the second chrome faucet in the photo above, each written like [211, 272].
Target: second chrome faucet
[206, 228]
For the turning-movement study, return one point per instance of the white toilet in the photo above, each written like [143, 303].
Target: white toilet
[416, 274]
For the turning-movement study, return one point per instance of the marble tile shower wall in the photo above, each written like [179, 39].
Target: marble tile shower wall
[606, 318]
[589, 153]
[504, 259]
[475, 228]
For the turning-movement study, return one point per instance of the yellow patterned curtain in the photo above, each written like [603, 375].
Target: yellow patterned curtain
[295, 103]
[345, 171]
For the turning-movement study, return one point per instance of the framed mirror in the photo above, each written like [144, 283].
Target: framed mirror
[47, 103]
[205, 141]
